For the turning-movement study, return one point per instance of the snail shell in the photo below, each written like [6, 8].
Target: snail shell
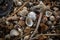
[29, 22]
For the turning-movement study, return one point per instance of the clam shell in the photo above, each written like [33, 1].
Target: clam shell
[32, 15]
[14, 32]
[29, 22]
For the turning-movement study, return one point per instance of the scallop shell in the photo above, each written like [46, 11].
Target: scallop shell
[23, 12]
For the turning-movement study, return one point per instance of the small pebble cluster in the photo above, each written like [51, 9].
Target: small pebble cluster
[32, 20]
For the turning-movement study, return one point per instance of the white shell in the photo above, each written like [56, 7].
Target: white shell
[49, 23]
[23, 12]
[19, 3]
[52, 18]
[20, 30]
[32, 15]
[26, 37]
[29, 22]
[48, 13]
[14, 32]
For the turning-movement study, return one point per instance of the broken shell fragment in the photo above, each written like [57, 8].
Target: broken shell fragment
[24, 12]
[14, 32]
[29, 22]
[48, 13]
[32, 15]
[26, 37]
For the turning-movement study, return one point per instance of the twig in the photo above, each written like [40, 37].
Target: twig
[46, 35]
[39, 20]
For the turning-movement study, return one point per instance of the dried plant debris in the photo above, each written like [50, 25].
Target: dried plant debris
[29, 19]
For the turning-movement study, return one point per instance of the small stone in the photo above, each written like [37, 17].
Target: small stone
[19, 3]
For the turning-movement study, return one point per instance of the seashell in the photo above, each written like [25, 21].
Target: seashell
[24, 8]
[7, 36]
[48, 13]
[19, 29]
[26, 37]
[32, 15]
[7, 22]
[49, 22]
[19, 3]
[21, 23]
[23, 12]
[52, 18]
[29, 22]
[14, 32]
[55, 8]
[41, 6]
